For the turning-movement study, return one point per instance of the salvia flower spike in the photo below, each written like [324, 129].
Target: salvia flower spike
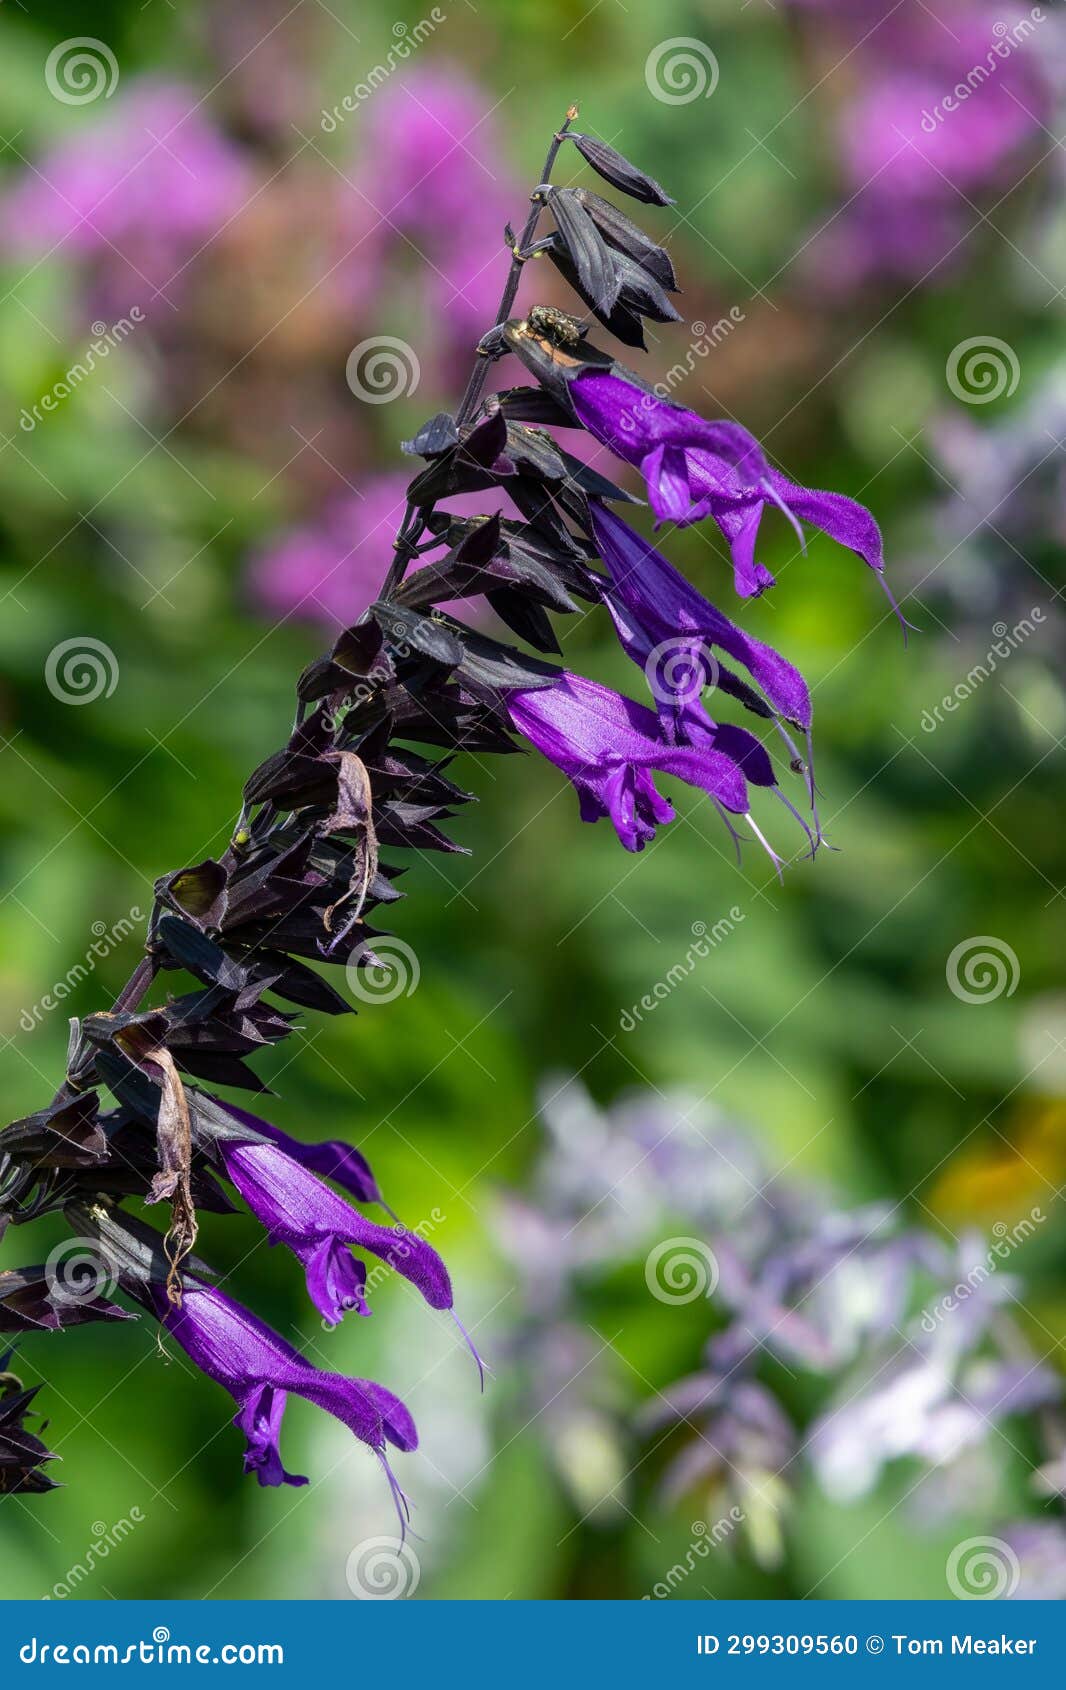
[362, 777]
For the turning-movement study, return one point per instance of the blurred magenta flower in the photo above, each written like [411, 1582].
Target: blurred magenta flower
[330, 568]
[941, 109]
[140, 190]
[434, 128]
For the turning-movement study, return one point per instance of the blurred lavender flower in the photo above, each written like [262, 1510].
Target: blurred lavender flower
[857, 1298]
[937, 1396]
[1040, 1546]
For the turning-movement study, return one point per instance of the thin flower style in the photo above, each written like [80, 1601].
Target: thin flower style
[258, 1369]
[311, 859]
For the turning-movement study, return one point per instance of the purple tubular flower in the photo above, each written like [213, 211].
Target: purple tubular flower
[609, 747]
[695, 468]
[652, 603]
[318, 1225]
[257, 1367]
[333, 1158]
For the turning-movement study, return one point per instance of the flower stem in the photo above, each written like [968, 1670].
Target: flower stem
[480, 371]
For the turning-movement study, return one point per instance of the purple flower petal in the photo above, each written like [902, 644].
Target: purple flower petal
[298, 1210]
[257, 1367]
[609, 747]
[663, 605]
